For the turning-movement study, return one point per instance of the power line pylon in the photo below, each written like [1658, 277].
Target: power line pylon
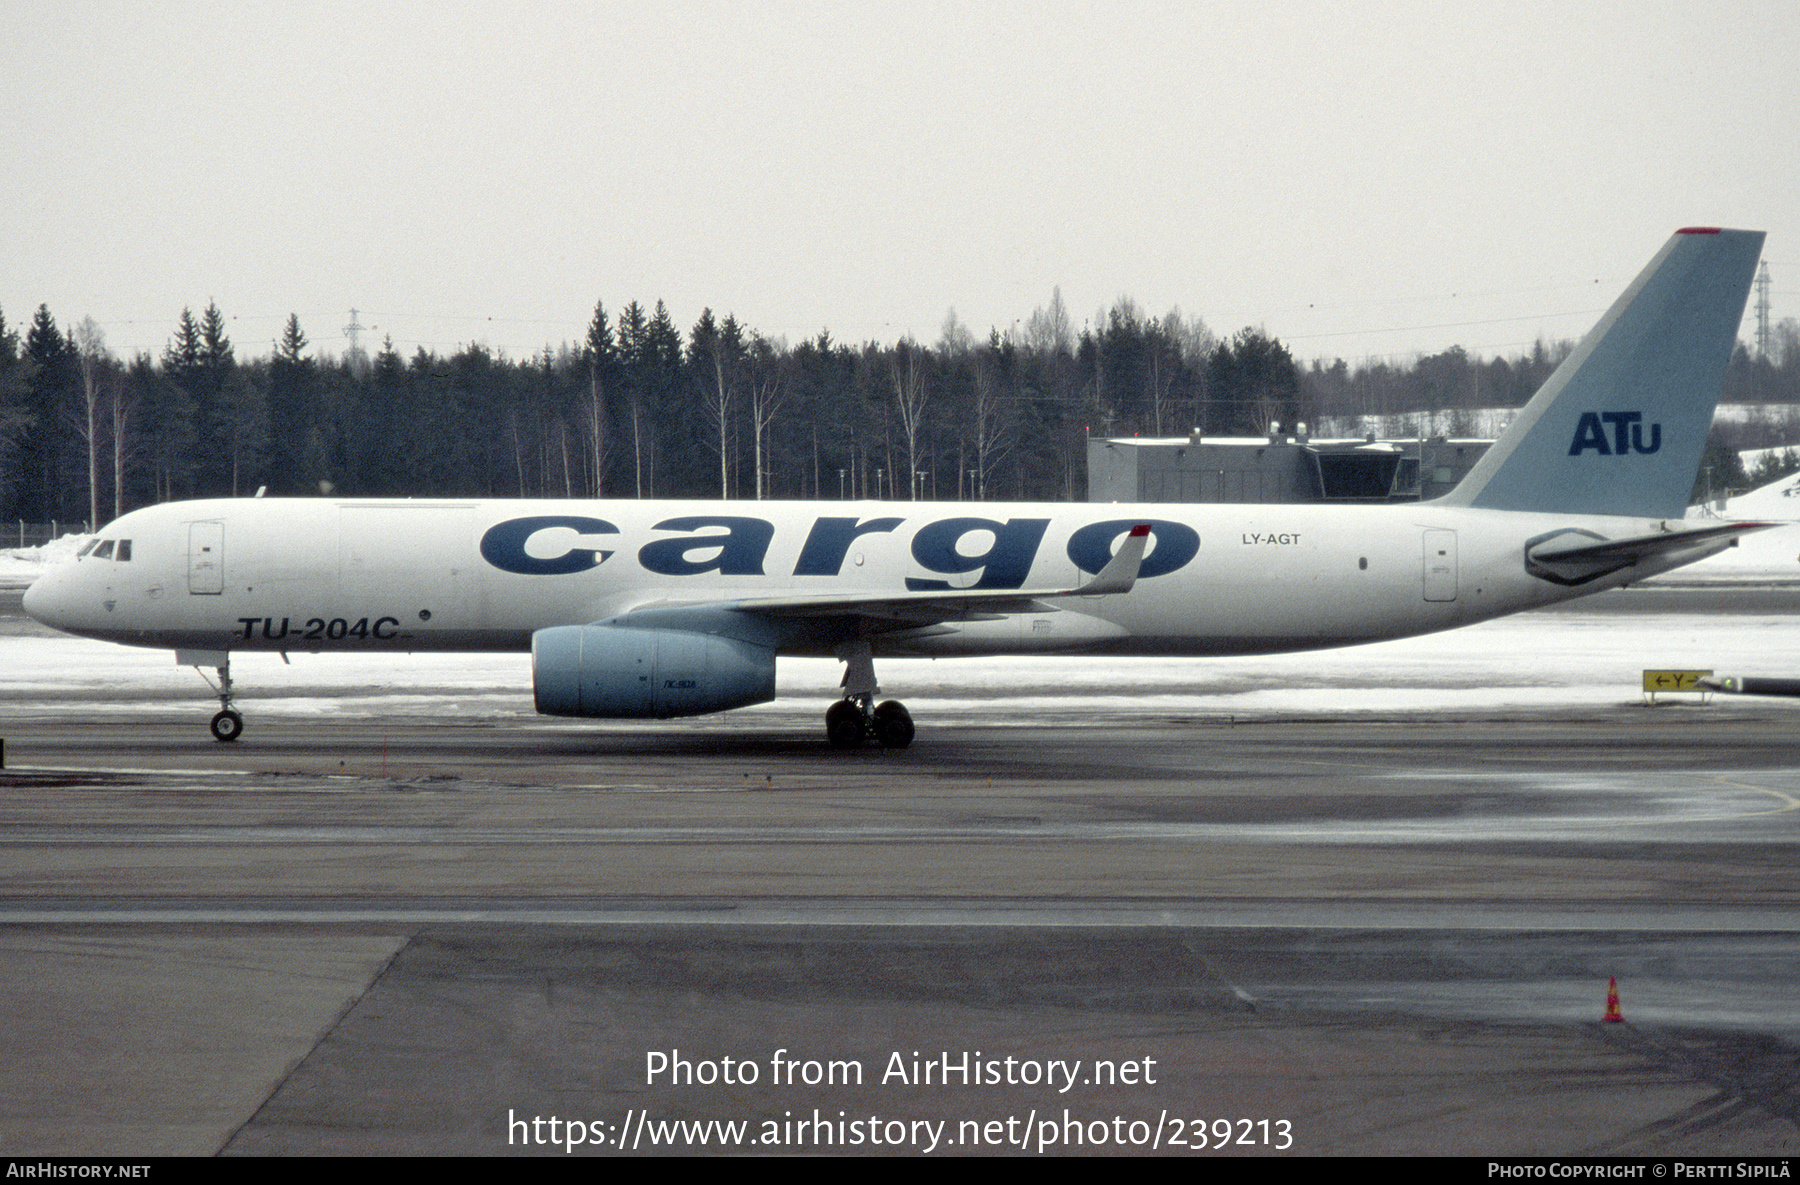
[354, 357]
[1762, 310]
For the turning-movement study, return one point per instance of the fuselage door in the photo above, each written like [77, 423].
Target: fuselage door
[206, 558]
[1440, 565]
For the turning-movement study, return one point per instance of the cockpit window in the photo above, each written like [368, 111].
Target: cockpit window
[92, 544]
[124, 552]
[104, 551]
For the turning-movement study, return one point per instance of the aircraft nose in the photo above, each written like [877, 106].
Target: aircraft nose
[33, 600]
[42, 602]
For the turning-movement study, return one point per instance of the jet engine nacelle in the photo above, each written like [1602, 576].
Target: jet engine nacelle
[634, 673]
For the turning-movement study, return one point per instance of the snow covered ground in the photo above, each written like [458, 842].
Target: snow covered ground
[1769, 557]
[1569, 658]
[1532, 661]
[19, 566]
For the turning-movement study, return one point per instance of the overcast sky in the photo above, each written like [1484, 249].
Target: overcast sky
[1358, 179]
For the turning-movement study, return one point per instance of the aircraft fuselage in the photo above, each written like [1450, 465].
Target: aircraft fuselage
[423, 575]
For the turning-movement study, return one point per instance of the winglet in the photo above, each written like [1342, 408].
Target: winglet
[1121, 571]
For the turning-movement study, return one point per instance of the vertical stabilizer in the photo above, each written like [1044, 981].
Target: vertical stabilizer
[1620, 427]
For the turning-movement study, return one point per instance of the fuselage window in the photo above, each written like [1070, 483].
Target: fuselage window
[104, 551]
[124, 552]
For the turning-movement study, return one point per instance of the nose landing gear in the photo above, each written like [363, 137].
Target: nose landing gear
[227, 724]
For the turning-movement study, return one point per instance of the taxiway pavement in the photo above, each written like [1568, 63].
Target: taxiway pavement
[1392, 933]
[434, 930]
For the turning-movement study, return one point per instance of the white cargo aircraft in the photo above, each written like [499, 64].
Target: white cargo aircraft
[658, 609]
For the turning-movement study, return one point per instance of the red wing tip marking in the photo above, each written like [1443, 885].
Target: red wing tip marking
[1698, 230]
[1140, 530]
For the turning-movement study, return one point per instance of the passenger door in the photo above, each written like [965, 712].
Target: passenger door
[206, 558]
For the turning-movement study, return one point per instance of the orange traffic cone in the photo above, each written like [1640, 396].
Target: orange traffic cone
[1612, 1000]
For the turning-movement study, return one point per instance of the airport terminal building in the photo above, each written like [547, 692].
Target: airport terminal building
[1280, 467]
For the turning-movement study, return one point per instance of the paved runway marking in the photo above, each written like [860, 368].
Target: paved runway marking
[1789, 800]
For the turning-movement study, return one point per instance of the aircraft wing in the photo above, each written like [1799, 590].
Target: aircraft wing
[911, 609]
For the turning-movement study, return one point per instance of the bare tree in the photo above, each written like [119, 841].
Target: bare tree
[1161, 364]
[600, 354]
[1193, 343]
[596, 426]
[90, 347]
[1049, 331]
[122, 403]
[954, 338]
[637, 442]
[909, 397]
[988, 407]
[722, 348]
[767, 362]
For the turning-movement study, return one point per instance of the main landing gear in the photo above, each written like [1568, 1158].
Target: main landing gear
[856, 719]
[851, 723]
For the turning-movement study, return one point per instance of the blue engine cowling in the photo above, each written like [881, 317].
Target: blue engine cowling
[634, 673]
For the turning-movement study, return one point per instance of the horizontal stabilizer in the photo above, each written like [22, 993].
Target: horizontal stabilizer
[1576, 557]
[1640, 546]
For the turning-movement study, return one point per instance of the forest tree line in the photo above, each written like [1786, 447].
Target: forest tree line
[641, 409]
